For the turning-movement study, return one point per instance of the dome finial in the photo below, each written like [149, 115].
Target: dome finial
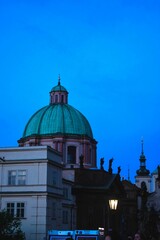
[59, 79]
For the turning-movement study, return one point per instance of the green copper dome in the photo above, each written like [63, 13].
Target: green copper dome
[58, 119]
[59, 88]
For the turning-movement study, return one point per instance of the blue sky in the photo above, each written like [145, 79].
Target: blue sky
[107, 53]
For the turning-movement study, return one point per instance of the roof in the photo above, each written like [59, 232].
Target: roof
[89, 181]
[58, 88]
[155, 172]
[58, 119]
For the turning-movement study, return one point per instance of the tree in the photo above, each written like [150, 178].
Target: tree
[149, 224]
[10, 227]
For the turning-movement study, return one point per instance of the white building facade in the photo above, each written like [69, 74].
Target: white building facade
[32, 188]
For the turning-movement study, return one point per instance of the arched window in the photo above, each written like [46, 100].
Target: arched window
[71, 155]
[56, 98]
[62, 98]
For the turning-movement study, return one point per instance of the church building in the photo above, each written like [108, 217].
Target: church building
[51, 180]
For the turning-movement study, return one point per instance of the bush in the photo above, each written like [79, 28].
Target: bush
[10, 227]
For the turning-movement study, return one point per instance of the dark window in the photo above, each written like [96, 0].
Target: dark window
[10, 208]
[65, 216]
[56, 98]
[65, 193]
[55, 177]
[54, 210]
[20, 210]
[16, 209]
[62, 98]
[71, 156]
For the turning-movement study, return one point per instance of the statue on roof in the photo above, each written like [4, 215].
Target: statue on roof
[119, 170]
[110, 166]
[102, 162]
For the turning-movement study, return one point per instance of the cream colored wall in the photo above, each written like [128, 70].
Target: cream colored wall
[39, 193]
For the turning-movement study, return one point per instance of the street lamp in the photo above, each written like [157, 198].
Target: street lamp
[113, 203]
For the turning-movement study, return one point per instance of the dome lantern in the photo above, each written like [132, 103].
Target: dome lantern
[58, 94]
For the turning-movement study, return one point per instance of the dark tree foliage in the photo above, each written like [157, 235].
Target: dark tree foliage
[149, 225]
[10, 227]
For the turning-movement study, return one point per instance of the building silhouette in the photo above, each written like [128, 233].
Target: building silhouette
[143, 177]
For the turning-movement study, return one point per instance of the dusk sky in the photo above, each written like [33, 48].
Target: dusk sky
[107, 53]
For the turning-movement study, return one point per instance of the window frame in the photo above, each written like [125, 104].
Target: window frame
[17, 179]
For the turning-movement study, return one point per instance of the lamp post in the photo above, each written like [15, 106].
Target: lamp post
[113, 203]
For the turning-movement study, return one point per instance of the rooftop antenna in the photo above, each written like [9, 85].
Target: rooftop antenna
[128, 174]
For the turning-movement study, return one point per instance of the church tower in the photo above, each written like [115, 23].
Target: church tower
[143, 178]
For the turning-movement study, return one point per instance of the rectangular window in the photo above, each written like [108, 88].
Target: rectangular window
[54, 211]
[56, 98]
[17, 177]
[71, 155]
[21, 177]
[54, 178]
[65, 216]
[16, 209]
[20, 210]
[12, 177]
[10, 208]
[65, 193]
